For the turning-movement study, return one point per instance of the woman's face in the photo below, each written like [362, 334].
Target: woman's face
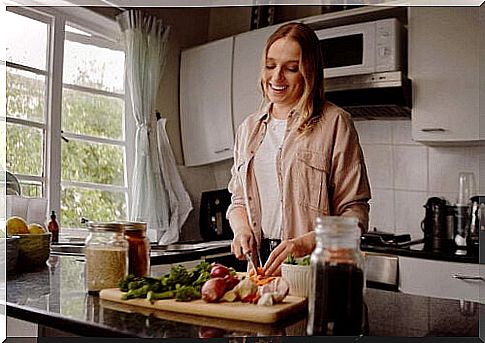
[282, 77]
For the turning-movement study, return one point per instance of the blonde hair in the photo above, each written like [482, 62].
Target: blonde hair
[310, 105]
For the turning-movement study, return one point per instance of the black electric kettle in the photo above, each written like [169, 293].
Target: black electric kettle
[437, 224]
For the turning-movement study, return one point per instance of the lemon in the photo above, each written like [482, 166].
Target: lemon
[16, 225]
[36, 229]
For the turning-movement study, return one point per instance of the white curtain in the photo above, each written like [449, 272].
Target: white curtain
[180, 204]
[146, 42]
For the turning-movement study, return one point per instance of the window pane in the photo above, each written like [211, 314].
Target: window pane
[25, 95]
[95, 205]
[24, 149]
[31, 189]
[93, 115]
[26, 40]
[94, 67]
[92, 162]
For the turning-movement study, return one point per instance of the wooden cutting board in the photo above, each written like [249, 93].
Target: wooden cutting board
[233, 311]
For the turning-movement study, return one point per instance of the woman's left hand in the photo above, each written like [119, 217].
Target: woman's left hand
[298, 247]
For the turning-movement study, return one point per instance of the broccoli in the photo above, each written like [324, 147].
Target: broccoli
[152, 296]
[187, 293]
[123, 283]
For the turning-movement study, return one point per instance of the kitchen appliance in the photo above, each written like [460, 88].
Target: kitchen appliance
[365, 68]
[436, 225]
[362, 48]
[212, 218]
[476, 208]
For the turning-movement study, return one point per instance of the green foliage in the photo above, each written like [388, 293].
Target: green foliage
[93, 115]
[83, 113]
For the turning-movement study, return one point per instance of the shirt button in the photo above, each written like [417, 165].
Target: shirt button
[254, 224]
[250, 198]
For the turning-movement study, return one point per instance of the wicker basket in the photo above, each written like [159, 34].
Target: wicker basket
[33, 250]
[12, 246]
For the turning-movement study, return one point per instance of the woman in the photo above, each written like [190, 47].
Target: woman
[296, 159]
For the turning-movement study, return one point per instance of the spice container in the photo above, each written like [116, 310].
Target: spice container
[106, 255]
[337, 279]
[139, 248]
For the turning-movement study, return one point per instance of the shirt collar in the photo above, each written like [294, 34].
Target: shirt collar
[264, 114]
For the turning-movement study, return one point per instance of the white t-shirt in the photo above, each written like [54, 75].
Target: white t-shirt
[267, 178]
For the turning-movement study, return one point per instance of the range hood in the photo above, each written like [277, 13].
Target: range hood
[372, 96]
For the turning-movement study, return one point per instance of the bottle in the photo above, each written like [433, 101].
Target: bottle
[138, 248]
[53, 228]
[336, 299]
[106, 251]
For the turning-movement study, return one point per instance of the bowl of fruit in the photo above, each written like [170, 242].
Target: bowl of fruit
[297, 272]
[33, 242]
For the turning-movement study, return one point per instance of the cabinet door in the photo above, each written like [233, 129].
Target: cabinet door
[441, 279]
[246, 91]
[444, 66]
[205, 102]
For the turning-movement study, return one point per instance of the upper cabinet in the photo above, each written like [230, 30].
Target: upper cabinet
[246, 91]
[444, 64]
[205, 102]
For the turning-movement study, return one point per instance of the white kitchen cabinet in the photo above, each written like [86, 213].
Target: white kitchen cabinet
[205, 102]
[444, 46]
[246, 91]
[435, 279]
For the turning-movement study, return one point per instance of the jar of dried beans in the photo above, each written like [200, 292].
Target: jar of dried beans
[139, 248]
[106, 252]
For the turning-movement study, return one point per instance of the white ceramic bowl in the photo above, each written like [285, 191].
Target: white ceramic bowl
[298, 278]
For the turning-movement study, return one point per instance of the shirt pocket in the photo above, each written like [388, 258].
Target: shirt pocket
[313, 173]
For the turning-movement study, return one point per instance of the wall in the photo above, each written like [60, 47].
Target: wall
[404, 174]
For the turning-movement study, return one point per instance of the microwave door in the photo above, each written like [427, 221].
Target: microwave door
[348, 50]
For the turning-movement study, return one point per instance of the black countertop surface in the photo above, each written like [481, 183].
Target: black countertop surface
[55, 297]
[422, 250]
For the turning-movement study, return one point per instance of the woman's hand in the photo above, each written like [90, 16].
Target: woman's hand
[242, 243]
[298, 247]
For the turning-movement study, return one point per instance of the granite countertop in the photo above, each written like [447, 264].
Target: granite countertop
[55, 296]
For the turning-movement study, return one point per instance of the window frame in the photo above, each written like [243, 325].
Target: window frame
[100, 27]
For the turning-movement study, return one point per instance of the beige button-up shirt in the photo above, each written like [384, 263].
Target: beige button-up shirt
[320, 173]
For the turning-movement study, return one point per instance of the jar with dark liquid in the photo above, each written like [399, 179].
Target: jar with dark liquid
[138, 248]
[336, 299]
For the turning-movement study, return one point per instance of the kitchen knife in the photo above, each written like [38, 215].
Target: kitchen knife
[252, 262]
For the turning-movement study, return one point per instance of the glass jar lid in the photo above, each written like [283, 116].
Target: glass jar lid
[105, 226]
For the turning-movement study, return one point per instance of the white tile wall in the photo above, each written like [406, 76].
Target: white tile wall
[410, 165]
[404, 173]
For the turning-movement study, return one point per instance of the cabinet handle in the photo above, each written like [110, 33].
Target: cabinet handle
[433, 129]
[467, 277]
[222, 150]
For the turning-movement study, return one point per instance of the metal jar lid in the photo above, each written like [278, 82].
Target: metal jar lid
[105, 226]
[134, 226]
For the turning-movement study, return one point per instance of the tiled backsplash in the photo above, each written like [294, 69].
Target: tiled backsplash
[404, 174]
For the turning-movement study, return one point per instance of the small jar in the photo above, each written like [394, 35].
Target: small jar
[139, 248]
[106, 252]
[336, 302]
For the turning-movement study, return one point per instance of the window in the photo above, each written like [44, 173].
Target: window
[66, 123]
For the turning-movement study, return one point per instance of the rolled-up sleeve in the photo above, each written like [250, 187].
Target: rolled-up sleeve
[235, 187]
[350, 185]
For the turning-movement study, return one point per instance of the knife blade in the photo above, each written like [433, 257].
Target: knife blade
[250, 260]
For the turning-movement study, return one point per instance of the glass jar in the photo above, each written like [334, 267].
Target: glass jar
[336, 299]
[106, 252]
[139, 248]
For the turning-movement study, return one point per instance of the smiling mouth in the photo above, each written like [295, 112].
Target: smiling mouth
[277, 88]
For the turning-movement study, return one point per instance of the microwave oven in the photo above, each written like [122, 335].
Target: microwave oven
[363, 48]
